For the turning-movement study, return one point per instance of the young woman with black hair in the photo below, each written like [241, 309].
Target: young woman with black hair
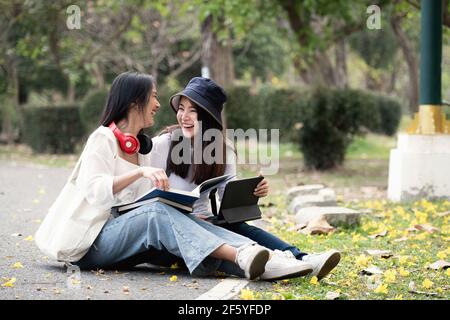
[115, 171]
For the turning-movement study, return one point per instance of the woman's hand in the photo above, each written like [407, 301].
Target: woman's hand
[262, 189]
[203, 217]
[157, 175]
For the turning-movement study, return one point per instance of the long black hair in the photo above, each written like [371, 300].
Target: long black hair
[201, 171]
[127, 88]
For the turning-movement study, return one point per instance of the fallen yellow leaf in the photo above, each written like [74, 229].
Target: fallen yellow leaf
[173, 278]
[9, 283]
[314, 280]
[403, 272]
[382, 288]
[427, 284]
[389, 275]
[17, 265]
[29, 238]
[442, 255]
[247, 294]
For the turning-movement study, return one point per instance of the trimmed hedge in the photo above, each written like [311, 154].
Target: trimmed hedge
[390, 113]
[328, 118]
[52, 129]
[322, 121]
[91, 109]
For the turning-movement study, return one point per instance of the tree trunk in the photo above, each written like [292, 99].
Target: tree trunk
[98, 75]
[8, 134]
[70, 90]
[341, 64]
[411, 61]
[217, 56]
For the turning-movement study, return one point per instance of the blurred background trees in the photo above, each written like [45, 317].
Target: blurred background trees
[253, 48]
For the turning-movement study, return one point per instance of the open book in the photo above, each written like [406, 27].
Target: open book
[180, 199]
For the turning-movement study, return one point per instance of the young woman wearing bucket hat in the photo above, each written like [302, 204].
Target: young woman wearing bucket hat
[198, 109]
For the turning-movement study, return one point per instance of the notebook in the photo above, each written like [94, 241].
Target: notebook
[180, 199]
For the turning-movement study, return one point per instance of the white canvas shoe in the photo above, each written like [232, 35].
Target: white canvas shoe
[322, 263]
[252, 258]
[283, 265]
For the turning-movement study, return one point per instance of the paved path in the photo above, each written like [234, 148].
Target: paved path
[26, 191]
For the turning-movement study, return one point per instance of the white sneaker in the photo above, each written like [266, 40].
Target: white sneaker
[252, 258]
[283, 265]
[322, 263]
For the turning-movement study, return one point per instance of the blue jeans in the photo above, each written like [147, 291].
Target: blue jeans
[158, 233]
[264, 238]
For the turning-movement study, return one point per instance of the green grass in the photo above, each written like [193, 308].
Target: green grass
[407, 265]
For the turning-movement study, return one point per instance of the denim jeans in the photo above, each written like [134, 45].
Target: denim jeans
[263, 238]
[158, 233]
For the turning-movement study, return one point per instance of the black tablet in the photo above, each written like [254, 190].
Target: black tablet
[238, 201]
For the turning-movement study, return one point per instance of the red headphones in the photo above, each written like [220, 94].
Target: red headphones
[128, 143]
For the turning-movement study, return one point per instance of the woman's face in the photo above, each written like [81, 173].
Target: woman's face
[151, 108]
[187, 117]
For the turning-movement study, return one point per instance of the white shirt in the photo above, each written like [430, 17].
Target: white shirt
[158, 158]
[100, 164]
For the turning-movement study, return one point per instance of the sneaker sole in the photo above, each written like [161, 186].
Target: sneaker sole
[329, 265]
[289, 273]
[258, 264]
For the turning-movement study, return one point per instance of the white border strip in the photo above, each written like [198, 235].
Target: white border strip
[225, 290]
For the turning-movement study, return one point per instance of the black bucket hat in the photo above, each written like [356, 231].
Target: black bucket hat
[206, 94]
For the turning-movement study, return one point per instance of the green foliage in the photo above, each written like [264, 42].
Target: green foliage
[390, 111]
[376, 47]
[53, 129]
[330, 120]
[261, 53]
[242, 108]
[281, 109]
[91, 109]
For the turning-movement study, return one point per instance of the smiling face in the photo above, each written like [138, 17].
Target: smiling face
[187, 117]
[151, 108]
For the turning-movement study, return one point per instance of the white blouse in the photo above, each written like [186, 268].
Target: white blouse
[100, 163]
[158, 158]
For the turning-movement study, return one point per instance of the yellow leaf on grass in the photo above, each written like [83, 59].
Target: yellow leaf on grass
[247, 294]
[9, 283]
[382, 288]
[174, 266]
[448, 272]
[362, 260]
[402, 259]
[17, 265]
[389, 275]
[314, 280]
[29, 238]
[173, 278]
[427, 284]
[403, 272]
[442, 255]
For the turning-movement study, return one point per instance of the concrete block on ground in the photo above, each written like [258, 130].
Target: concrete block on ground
[334, 215]
[303, 191]
[318, 200]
